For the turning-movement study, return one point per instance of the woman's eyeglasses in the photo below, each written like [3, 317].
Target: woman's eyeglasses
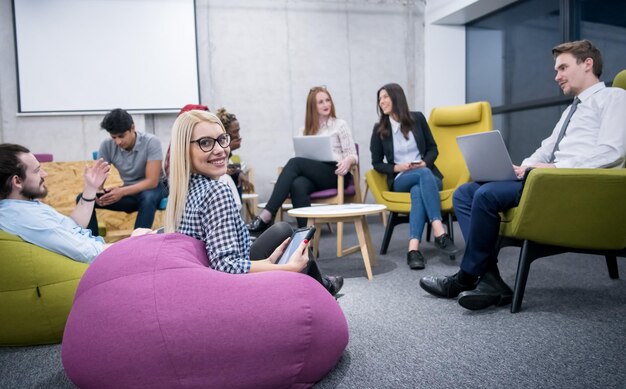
[207, 143]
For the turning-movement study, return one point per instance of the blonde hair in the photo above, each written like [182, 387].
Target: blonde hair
[311, 119]
[180, 163]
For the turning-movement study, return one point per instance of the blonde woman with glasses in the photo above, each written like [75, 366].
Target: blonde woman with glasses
[302, 176]
[202, 207]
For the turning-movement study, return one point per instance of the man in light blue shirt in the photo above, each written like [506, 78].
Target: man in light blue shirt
[22, 214]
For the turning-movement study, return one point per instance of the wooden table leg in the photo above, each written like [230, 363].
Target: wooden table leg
[368, 241]
[339, 239]
[363, 238]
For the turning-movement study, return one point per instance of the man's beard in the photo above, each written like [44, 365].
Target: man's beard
[35, 193]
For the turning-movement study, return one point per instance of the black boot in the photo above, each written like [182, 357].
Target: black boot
[258, 226]
[415, 260]
[491, 290]
[446, 287]
[445, 244]
[333, 284]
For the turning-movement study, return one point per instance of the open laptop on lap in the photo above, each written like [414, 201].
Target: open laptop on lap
[314, 147]
[486, 157]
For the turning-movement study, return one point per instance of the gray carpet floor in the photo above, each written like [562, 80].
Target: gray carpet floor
[571, 332]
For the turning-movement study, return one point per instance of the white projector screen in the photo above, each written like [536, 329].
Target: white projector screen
[89, 56]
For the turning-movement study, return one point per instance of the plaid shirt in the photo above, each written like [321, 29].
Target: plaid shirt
[211, 216]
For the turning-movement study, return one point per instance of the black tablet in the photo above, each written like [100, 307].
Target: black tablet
[296, 238]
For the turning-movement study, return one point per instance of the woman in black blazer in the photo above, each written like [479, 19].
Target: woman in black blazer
[403, 147]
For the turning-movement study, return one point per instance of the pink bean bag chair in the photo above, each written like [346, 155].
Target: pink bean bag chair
[149, 312]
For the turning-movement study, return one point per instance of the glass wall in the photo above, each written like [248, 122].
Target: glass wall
[604, 23]
[510, 64]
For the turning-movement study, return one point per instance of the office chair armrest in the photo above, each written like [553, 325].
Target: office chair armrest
[580, 208]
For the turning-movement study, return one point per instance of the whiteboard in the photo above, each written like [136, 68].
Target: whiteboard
[81, 56]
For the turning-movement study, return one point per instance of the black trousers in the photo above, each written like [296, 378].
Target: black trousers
[299, 178]
[271, 238]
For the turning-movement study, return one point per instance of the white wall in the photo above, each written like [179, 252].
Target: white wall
[259, 59]
[445, 56]
[445, 66]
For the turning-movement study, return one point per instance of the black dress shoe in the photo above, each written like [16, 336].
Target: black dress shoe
[415, 260]
[446, 287]
[445, 244]
[333, 284]
[491, 290]
[258, 226]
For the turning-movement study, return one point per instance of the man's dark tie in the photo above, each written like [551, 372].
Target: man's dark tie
[564, 128]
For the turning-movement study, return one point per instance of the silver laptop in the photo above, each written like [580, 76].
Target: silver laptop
[314, 147]
[486, 156]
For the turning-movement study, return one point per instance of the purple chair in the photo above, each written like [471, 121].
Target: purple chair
[333, 195]
[348, 190]
[44, 157]
[149, 312]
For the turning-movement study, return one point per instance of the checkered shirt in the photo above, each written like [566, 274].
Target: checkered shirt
[211, 216]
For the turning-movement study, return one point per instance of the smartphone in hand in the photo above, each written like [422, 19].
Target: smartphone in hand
[416, 162]
[298, 236]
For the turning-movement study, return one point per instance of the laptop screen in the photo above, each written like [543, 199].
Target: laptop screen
[316, 147]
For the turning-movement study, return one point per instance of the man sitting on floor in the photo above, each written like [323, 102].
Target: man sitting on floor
[21, 214]
[590, 134]
[137, 156]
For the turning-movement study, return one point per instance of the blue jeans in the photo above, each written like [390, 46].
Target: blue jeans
[477, 207]
[424, 187]
[145, 203]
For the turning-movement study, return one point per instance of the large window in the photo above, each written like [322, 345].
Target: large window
[510, 64]
[604, 23]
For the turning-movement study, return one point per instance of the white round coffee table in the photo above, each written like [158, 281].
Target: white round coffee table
[352, 213]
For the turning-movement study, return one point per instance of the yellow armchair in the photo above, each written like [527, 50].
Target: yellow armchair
[567, 210]
[446, 123]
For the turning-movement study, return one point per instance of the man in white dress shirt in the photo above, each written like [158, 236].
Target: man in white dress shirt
[590, 134]
[22, 214]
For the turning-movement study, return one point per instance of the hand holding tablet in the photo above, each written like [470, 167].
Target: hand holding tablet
[297, 238]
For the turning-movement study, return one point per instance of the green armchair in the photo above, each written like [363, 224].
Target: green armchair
[620, 80]
[567, 210]
[37, 289]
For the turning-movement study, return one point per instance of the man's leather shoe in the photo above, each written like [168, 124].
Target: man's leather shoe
[415, 260]
[333, 284]
[446, 287]
[491, 290]
[258, 226]
[445, 244]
